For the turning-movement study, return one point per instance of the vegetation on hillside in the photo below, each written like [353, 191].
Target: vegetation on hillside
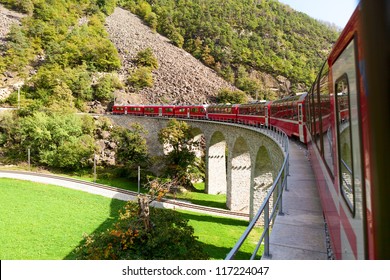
[61, 44]
[68, 141]
[241, 36]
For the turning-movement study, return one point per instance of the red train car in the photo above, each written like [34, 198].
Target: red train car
[159, 110]
[191, 111]
[340, 140]
[289, 115]
[137, 110]
[223, 112]
[254, 113]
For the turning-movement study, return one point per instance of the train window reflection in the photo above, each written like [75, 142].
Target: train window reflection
[345, 140]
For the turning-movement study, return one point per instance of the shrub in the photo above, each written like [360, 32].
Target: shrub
[230, 96]
[104, 89]
[141, 78]
[171, 238]
[146, 58]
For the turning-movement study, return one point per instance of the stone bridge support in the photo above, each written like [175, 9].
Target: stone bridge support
[240, 161]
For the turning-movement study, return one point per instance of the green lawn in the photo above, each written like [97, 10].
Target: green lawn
[196, 197]
[47, 222]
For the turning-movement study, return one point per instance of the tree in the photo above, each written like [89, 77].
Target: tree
[231, 96]
[181, 163]
[131, 149]
[104, 89]
[141, 78]
[146, 58]
[145, 233]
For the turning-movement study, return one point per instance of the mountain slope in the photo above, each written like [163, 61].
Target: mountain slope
[180, 77]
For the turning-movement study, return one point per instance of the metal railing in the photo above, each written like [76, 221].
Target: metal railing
[278, 186]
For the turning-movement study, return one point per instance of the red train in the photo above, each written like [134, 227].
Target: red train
[288, 113]
[341, 131]
[344, 119]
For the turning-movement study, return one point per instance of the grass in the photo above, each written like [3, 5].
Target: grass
[47, 222]
[198, 197]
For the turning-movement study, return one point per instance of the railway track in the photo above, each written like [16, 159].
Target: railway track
[172, 202]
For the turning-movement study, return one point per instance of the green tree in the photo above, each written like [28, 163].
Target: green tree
[105, 87]
[131, 149]
[170, 238]
[146, 58]
[141, 78]
[232, 96]
[181, 162]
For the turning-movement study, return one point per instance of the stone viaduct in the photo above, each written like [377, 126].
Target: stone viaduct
[241, 161]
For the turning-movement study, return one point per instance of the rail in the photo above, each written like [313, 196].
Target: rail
[278, 186]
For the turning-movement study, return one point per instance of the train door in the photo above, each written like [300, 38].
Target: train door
[125, 110]
[266, 116]
[188, 113]
[160, 112]
[300, 123]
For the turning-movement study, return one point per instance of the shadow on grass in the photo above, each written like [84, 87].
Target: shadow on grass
[115, 206]
[213, 219]
[219, 253]
[214, 252]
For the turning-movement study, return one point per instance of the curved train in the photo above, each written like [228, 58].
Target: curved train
[287, 113]
[338, 120]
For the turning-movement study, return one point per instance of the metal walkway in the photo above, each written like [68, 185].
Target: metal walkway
[299, 234]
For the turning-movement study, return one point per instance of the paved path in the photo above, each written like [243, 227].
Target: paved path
[300, 233]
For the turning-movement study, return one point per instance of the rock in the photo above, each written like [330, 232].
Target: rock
[179, 78]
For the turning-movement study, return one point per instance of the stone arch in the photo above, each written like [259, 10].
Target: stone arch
[216, 182]
[238, 197]
[263, 177]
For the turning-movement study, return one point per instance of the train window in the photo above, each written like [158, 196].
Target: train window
[326, 120]
[345, 141]
[348, 129]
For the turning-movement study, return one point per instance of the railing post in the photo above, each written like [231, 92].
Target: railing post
[266, 224]
[280, 194]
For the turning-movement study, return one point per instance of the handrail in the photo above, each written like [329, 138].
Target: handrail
[279, 185]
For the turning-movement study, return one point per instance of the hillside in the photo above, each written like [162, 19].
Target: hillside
[77, 52]
[179, 79]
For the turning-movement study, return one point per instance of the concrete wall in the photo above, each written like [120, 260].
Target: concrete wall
[240, 161]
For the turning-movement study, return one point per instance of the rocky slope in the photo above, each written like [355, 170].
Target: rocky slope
[7, 19]
[180, 78]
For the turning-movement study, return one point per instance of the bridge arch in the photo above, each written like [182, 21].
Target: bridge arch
[263, 176]
[216, 182]
[239, 167]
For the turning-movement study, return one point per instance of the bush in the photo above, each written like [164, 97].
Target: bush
[233, 97]
[104, 89]
[141, 78]
[171, 238]
[146, 58]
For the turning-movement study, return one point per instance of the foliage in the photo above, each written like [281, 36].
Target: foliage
[181, 162]
[141, 78]
[105, 87]
[146, 58]
[171, 238]
[225, 34]
[63, 49]
[55, 139]
[131, 149]
[232, 96]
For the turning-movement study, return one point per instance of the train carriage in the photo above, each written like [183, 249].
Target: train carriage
[340, 149]
[191, 111]
[223, 112]
[137, 110]
[289, 115]
[159, 110]
[254, 113]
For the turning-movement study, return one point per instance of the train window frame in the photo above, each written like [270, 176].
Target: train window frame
[351, 204]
